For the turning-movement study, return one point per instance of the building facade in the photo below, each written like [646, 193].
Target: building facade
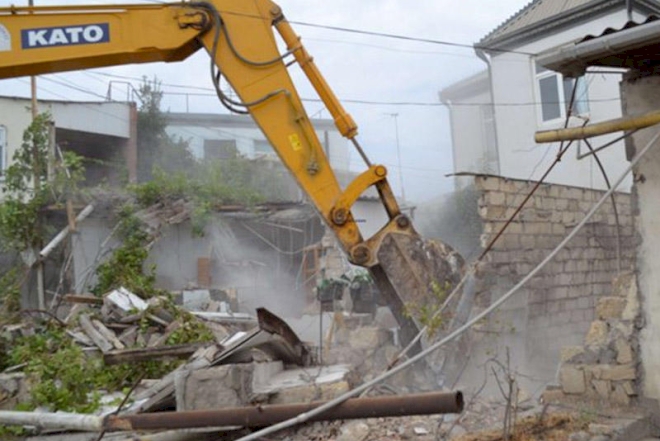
[102, 132]
[515, 96]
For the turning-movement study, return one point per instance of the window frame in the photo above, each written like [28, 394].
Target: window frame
[541, 73]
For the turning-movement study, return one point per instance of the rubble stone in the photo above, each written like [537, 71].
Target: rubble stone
[597, 334]
[619, 395]
[369, 337]
[628, 388]
[610, 307]
[623, 372]
[353, 431]
[568, 352]
[631, 310]
[213, 388]
[306, 384]
[602, 388]
[624, 353]
[572, 380]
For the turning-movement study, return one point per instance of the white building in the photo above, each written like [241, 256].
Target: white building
[103, 131]
[217, 136]
[495, 113]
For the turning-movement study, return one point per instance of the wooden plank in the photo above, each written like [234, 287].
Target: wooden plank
[108, 334]
[154, 353]
[103, 344]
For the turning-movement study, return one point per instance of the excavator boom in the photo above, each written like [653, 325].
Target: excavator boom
[240, 38]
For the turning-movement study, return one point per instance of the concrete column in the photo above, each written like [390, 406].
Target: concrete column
[640, 95]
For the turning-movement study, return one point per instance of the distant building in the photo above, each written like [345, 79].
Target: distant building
[104, 133]
[495, 113]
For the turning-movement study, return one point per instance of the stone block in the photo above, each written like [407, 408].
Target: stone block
[488, 183]
[624, 353]
[618, 372]
[597, 334]
[553, 395]
[602, 388]
[572, 380]
[304, 385]
[13, 390]
[354, 431]
[631, 310]
[213, 388]
[610, 307]
[369, 337]
[568, 352]
[628, 387]
[619, 395]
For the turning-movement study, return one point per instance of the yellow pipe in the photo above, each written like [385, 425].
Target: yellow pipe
[603, 128]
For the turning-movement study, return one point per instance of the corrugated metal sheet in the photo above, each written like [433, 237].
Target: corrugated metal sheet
[534, 12]
[628, 25]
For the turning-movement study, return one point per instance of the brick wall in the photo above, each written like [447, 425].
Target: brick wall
[556, 307]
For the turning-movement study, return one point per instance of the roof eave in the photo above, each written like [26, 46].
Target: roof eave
[573, 59]
[543, 27]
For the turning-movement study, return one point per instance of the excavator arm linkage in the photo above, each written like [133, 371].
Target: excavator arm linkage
[239, 36]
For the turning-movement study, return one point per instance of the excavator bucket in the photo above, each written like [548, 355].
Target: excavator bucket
[412, 272]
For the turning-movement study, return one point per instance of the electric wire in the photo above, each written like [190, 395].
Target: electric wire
[360, 101]
[614, 207]
[305, 416]
[408, 38]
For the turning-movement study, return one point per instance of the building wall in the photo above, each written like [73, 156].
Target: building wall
[556, 307]
[641, 95]
[469, 133]
[247, 135]
[517, 112]
[110, 120]
[514, 83]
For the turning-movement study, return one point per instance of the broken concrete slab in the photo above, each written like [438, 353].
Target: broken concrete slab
[213, 388]
[307, 384]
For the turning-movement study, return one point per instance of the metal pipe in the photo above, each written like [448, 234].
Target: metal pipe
[261, 416]
[614, 125]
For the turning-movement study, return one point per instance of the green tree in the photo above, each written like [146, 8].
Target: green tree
[155, 147]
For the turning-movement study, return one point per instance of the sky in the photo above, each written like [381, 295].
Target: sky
[357, 67]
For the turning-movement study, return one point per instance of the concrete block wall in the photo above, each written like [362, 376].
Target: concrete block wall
[557, 306]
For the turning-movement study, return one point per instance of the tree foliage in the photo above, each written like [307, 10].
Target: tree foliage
[28, 188]
[155, 147]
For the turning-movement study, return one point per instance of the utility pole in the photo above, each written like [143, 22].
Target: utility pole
[33, 84]
[398, 154]
[41, 297]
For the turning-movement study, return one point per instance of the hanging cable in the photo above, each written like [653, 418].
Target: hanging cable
[216, 71]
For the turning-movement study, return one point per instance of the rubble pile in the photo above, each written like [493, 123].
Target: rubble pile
[237, 361]
[605, 368]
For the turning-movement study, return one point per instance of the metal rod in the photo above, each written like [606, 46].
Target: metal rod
[261, 416]
[614, 125]
[604, 146]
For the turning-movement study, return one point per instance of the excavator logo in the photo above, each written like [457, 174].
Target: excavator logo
[65, 35]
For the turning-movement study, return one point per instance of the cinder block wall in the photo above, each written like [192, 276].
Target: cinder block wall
[556, 307]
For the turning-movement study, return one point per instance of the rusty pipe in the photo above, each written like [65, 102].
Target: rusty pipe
[261, 416]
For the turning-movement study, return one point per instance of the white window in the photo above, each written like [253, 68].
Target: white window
[555, 91]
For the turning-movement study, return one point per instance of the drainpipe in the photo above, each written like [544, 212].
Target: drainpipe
[448, 103]
[482, 55]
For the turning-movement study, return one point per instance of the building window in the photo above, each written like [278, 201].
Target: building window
[220, 149]
[555, 93]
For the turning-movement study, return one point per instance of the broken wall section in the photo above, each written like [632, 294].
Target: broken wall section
[557, 306]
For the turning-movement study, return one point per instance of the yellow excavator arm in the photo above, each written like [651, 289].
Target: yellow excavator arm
[239, 36]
